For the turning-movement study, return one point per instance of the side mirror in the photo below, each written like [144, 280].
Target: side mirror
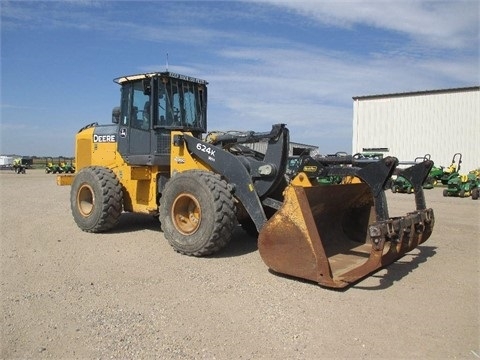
[116, 115]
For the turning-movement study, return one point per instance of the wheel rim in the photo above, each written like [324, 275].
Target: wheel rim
[186, 214]
[85, 200]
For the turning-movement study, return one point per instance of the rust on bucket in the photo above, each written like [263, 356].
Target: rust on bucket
[330, 234]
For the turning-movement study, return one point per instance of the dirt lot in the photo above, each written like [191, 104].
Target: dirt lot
[66, 294]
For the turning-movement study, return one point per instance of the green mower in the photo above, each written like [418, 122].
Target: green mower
[476, 190]
[401, 185]
[476, 193]
[51, 168]
[66, 167]
[441, 175]
[463, 186]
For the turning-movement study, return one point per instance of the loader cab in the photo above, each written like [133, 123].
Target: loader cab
[151, 106]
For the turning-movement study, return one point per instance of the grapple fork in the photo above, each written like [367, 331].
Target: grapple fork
[337, 234]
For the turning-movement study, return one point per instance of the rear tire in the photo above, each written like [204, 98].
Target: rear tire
[429, 183]
[197, 213]
[475, 193]
[96, 199]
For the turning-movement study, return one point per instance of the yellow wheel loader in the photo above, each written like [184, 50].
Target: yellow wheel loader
[156, 159]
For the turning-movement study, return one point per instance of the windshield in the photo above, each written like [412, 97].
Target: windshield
[173, 104]
[181, 104]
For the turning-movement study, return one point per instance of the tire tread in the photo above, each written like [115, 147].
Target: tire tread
[111, 200]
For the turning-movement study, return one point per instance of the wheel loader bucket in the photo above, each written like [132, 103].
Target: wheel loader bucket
[332, 235]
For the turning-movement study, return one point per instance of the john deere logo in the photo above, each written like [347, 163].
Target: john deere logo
[310, 168]
[104, 138]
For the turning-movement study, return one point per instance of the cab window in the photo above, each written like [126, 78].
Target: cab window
[140, 111]
[181, 103]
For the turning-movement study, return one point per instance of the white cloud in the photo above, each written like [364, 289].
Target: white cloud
[261, 86]
[449, 24]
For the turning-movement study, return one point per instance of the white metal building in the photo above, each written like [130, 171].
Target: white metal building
[410, 125]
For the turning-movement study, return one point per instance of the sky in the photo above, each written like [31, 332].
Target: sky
[277, 61]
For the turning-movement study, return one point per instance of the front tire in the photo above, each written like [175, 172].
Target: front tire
[197, 213]
[96, 199]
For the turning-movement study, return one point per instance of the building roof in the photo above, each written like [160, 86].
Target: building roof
[303, 145]
[416, 93]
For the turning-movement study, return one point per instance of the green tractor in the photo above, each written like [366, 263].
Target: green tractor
[441, 175]
[476, 190]
[453, 170]
[66, 167]
[401, 185]
[463, 186]
[433, 177]
[51, 168]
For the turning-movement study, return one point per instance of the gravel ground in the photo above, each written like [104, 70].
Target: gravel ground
[66, 294]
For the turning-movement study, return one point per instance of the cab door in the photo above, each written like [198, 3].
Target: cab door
[134, 140]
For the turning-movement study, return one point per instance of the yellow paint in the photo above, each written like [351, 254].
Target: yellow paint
[351, 180]
[180, 159]
[139, 182]
[65, 179]
[301, 180]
